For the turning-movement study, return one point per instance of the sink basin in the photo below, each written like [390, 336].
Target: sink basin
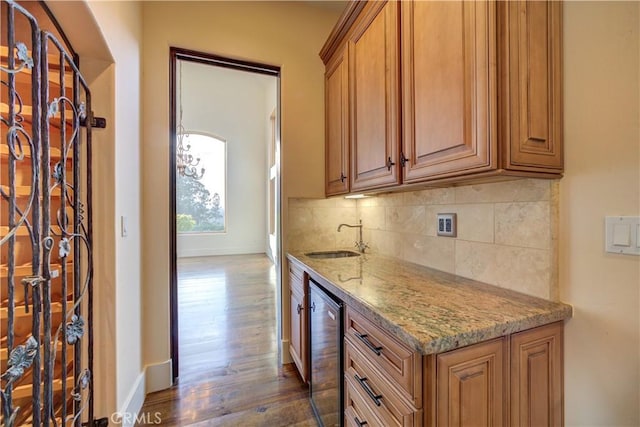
[331, 254]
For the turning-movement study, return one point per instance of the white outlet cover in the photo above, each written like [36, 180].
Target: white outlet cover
[446, 225]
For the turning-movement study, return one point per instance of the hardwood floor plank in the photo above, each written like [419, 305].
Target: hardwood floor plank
[229, 365]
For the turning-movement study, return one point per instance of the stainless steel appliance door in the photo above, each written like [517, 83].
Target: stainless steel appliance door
[326, 356]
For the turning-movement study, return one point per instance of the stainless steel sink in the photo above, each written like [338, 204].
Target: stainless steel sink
[332, 254]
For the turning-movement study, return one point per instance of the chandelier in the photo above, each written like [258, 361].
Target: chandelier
[186, 163]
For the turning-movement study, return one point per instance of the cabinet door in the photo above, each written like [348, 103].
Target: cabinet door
[373, 82]
[336, 86]
[470, 388]
[298, 343]
[532, 114]
[449, 88]
[536, 377]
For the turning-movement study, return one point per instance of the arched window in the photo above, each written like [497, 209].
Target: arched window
[201, 200]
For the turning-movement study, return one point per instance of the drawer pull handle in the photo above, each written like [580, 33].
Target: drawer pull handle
[299, 308]
[360, 423]
[363, 338]
[363, 382]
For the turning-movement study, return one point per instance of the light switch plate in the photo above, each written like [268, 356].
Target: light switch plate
[447, 225]
[622, 235]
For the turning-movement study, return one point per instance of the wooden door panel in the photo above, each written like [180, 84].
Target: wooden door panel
[533, 125]
[373, 62]
[470, 388]
[440, 79]
[449, 74]
[337, 125]
[536, 377]
[297, 344]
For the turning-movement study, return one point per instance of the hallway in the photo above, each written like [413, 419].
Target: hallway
[229, 372]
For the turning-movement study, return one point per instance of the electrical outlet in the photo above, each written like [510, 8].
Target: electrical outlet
[447, 225]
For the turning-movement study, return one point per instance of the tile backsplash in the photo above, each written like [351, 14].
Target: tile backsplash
[313, 224]
[506, 231]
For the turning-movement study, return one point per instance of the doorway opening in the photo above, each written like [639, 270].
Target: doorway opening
[224, 200]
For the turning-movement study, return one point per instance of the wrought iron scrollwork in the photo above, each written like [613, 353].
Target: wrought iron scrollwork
[45, 202]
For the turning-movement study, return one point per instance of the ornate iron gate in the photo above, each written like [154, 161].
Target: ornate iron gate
[45, 222]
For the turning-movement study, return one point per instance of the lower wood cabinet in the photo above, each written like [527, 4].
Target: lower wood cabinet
[471, 385]
[379, 395]
[513, 380]
[536, 377]
[298, 320]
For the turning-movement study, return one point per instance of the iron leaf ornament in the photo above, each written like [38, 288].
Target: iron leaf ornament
[74, 329]
[85, 379]
[64, 247]
[58, 172]
[53, 109]
[20, 359]
[82, 110]
[23, 55]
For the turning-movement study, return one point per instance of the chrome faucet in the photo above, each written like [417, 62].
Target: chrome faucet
[360, 244]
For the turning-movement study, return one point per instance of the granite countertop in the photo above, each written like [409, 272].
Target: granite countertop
[429, 310]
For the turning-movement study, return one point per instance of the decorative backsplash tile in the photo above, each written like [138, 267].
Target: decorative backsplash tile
[313, 224]
[505, 230]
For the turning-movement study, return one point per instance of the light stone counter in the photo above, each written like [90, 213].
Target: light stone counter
[429, 310]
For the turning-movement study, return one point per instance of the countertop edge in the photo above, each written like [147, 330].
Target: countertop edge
[443, 343]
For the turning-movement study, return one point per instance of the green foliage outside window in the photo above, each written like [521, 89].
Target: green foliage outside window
[197, 210]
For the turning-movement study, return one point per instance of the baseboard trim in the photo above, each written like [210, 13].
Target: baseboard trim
[128, 413]
[285, 355]
[200, 252]
[159, 376]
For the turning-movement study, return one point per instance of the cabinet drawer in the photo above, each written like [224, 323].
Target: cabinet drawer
[394, 360]
[357, 411]
[296, 278]
[378, 395]
[296, 271]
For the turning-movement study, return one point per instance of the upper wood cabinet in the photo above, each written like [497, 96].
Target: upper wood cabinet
[531, 85]
[448, 87]
[479, 95]
[336, 87]
[374, 108]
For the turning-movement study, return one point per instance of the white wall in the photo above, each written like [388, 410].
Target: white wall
[121, 25]
[231, 105]
[286, 34]
[272, 171]
[602, 149]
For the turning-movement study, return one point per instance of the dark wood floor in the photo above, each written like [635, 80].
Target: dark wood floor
[229, 366]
